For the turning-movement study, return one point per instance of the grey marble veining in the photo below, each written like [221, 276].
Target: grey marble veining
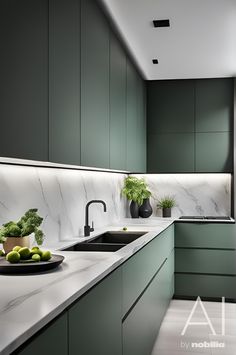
[61, 196]
[195, 194]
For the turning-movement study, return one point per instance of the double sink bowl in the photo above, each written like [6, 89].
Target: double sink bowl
[108, 241]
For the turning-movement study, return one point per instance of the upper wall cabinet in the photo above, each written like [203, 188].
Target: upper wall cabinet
[136, 121]
[64, 81]
[214, 105]
[190, 126]
[117, 105]
[24, 79]
[67, 92]
[170, 106]
[94, 86]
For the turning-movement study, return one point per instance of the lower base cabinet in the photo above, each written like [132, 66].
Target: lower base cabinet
[95, 320]
[51, 340]
[142, 324]
[205, 286]
[205, 255]
[93, 324]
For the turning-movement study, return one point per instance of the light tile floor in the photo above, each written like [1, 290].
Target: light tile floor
[198, 339]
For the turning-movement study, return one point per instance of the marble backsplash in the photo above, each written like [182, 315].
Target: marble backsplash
[61, 196]
[195, 194]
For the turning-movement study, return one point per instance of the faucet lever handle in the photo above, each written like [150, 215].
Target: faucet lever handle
[92, 228]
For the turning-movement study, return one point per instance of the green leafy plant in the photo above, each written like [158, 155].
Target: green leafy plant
[27, 225]
[135, 189]
[166, 202]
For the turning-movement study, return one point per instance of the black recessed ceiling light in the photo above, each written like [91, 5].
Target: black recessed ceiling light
[155, 61]
[161, 23]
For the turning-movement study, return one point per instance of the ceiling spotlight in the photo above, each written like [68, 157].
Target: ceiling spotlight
[155, 61]
[161, 23]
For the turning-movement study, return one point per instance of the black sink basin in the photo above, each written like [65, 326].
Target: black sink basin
[117, 237]
[95, 247]
[109, 241]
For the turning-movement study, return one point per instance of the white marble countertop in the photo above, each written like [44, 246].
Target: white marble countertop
[29, 302]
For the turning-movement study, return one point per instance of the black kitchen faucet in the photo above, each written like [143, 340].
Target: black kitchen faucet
[87, 228]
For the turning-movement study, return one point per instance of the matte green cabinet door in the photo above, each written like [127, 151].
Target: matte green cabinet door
[141, 126]
[94, 86]
[204, 261]
[24, 79]
[214, 105]
[117, 105]
[136, 121]
[171, 153]
[193, 285]
[131, 112]
[139, 270]
[51, 340]
[214, 152]
[95, 320]
[170, 106]
[205, 235]
[64, 81]
[141, 326]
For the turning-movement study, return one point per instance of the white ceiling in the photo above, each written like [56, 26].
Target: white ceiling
[200, 43]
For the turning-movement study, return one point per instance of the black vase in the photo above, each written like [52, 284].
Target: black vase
[145, 210]
[134, 209]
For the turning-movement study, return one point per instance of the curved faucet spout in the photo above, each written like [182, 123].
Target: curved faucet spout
[87, 228]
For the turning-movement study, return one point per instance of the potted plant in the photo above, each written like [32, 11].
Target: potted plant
[136, 191]
[166, 203]
[17, 233]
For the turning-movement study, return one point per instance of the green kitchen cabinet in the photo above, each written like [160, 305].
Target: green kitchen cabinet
[205, 235]
[214, 152]
[141, 326]
[136, 120]
[64, 81]
[95, 34]
[205, 256]
[214, 105]
[170, 106]
[170, 153]
[118, 136]
[95, 319]
[203, 285]
[131, 116]
[24, 79]
[50, 340]
[205, 261]
[141, 126]
[139, 270]
[190, 124]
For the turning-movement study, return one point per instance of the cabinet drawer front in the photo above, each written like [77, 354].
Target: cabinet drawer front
[205, 286]
[141, 267]
[205, 235]
[95, 319]
[141, 326]
[206, 261]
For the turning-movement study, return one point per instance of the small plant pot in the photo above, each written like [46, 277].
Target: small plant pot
[11, 242]
[166, 212]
